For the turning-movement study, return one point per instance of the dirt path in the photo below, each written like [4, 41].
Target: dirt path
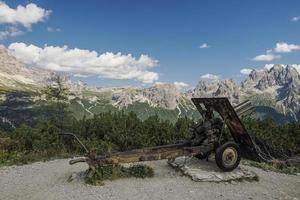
[48, 180]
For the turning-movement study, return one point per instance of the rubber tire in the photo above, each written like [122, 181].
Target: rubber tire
[219, 155]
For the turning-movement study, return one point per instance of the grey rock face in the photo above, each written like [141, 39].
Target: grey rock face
[280, 83]
[216, 88]
[163, 95]
[160, 95]
[203, 171]
[15, 74]
[279, 75]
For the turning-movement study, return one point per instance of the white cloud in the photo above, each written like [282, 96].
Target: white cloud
[181, 85]
[81, 61]
[209, 76]
[51, 29]
[81, 75]
[11, 31]
[22, 15]
[246, 71]
[282, 47]
[266, 57]
[269, 51]
[204, 46]
[295, 19]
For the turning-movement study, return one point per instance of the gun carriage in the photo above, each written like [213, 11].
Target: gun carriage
[209, 135]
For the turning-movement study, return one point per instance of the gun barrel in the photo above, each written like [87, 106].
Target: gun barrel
[246, 112]
[243, 107]
[240, 104]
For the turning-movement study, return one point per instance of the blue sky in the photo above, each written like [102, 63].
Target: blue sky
[170, 32]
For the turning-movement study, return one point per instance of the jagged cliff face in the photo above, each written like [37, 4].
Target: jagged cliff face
[160, 95]
[278, 87]
[163, 95]
[216, 88]
[277, 76]
[280, 83]
[14, 74]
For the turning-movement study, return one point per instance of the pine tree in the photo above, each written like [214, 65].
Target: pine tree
[57, 95]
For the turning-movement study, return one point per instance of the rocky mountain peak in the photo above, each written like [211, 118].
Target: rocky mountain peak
[15, 74]
[278, 75]
[216, 87]
[160, 95]
[163, 95]
[279, 84]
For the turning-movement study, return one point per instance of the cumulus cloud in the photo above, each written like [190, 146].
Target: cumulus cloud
[81, 61]
[204, 46]
[181, 85]
[11, 31]
[51, 29]
[81, 75]
[209, 76]
[22, 15]
[282, 47]
[245, 71]
[295, 19]
[266, 57]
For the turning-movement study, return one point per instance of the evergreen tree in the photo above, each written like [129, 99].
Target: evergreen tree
[57, 95]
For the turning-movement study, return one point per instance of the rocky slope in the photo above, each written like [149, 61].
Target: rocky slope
[14, 74]
[276, 87]
[216, 88]
[160, 95]
[280, 83]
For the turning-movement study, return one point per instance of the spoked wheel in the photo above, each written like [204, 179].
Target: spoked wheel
[228, 156]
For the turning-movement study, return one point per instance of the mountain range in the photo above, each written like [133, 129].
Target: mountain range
[274, 90]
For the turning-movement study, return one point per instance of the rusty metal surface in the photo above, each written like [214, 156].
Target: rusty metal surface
[226, 111]
[169, 152]
[222, 106]
[230, 116]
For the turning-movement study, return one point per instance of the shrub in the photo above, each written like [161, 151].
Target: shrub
[112, 172]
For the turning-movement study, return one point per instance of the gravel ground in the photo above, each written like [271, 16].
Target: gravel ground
[48, 180]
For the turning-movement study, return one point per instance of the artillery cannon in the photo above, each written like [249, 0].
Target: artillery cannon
[207, 136]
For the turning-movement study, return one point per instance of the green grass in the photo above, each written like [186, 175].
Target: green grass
[117, 171]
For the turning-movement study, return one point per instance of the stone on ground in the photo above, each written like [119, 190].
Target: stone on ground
[208, 171]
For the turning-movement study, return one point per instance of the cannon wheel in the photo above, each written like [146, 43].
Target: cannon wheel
[228, 156]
